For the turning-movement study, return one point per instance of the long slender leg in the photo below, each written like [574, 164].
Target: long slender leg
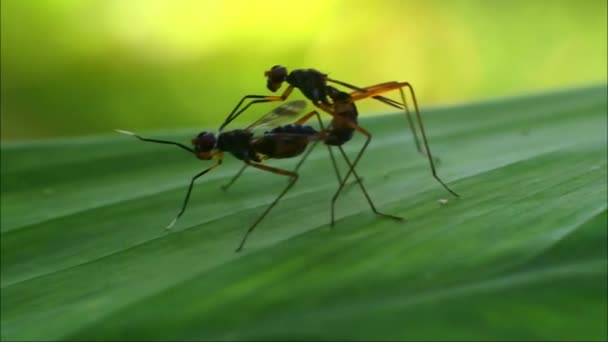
[303, 120]
[301, 161]
[235, 115]
[331, 154]
[351, 169]
[167, 142]
[399, 105]
[410, 122]
[343, 183]
[261, 99]
[372, 90]
[386, 100]
[294, 178]
[390, 86]
[181, 212]
[238, 174]
[243, 100]
[360, 182]
[334, 163]
[403, 105]
[424, 139]
[333, 159]
[354, 126]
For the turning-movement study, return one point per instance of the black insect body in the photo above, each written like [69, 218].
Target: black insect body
[340, 131]
[288, 141]
[284, 141]
[314, 85]
[238, 143]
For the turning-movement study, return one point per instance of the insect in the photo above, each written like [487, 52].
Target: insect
[285, 141]
[339, 132]
[313, 84]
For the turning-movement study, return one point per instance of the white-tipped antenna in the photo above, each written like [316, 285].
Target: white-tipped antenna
[126, 132]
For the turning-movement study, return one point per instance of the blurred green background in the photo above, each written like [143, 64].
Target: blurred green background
[73, 67]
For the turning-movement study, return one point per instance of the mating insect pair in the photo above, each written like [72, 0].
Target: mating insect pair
[288, 141]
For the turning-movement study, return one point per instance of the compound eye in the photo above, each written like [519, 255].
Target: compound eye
[205, 141]
[275, 77]
[273, 86]
[276, 74]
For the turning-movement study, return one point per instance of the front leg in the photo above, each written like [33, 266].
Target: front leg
[238, 174]
[187, 198]
[293, 176]
[260, 99]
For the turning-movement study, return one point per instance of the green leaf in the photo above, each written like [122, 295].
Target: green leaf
[522, 255]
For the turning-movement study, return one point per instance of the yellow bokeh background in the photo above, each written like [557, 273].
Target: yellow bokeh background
[72, 67]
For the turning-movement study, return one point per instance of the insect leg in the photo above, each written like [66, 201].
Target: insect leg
[343, 182]
[260, 99]
[303, 120]
[294, 178]
[378, 89]
[367, 197]
[372, 91]
[181, 212]
[352, 167]
[238, 174]
[354, 126]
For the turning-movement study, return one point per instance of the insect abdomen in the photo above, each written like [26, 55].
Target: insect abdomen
[303, 130]
[284, 141]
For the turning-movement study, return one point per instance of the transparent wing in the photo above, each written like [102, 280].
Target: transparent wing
[287, 112]
[286, 137]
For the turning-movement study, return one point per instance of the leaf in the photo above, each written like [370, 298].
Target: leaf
[522, 255]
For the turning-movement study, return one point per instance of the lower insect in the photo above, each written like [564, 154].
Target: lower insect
[285, 141]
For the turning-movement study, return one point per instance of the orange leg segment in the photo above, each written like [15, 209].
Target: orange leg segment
[375, 91]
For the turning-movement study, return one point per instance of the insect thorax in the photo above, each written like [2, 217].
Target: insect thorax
[312, 83]
[238, 142]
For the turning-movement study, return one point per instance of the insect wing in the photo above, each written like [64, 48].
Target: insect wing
[288, 138]
[284, 113]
